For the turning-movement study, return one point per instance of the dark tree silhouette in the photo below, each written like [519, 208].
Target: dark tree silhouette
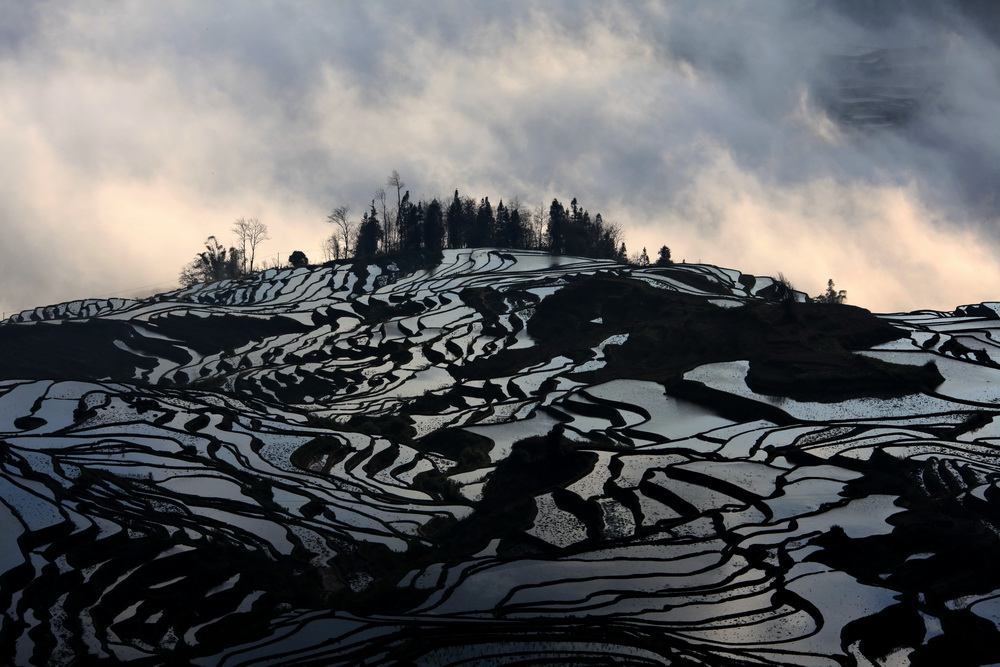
[501, 226]
[339, 217]
[519, 232]
[831, 295]
[369, 235]
[216, 263]
[331, 247]
[558, 223]
[573, 232]
[465, 224]
[469, 214]
[608, 237]
[298, 258]
[664, 258]
[433, 226]
[510, 231]
[455, 221]
[250, 232]
[403, 211]
[784, 291]
[579, 235]
[482, 229]
[412, 224]
[516, 236]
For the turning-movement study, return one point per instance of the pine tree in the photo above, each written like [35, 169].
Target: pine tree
[515, 229]
[558, 221]
[456, 223]
[433, 226]
[483, 229]
[404, 220]
[606, 237]
[469, 214]
[577, 237]
[412, 224]
[369, 235]
[501, 234]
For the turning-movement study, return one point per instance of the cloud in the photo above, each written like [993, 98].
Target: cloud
[734, 132]
[879, 242]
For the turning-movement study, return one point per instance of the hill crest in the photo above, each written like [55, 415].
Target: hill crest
[481, 457]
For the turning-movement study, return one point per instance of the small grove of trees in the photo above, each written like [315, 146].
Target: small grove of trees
[216, 263]
[331, 248]
[340, 241]
[831, 295]
[785, 292]
[467, 222]
[639, 258]
[642, 258]
[250, 233]
[573, 232]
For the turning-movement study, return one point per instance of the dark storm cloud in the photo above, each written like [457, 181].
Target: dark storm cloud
[17, 23]
[723, 128]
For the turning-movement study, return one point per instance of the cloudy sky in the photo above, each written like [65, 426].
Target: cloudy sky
[851, 140]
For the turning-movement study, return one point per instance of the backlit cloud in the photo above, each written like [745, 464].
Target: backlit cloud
[846, 140]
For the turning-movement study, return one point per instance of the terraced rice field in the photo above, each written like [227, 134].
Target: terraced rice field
[450, 466]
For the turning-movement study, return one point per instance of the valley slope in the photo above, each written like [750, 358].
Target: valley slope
[498, 457]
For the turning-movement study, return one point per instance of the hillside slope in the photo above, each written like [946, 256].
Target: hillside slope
[500, 457]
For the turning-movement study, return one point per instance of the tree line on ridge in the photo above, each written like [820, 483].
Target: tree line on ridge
[406, 226]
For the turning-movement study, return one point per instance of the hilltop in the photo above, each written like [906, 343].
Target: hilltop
[498, 457]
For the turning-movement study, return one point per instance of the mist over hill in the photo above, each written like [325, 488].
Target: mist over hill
[498, 457]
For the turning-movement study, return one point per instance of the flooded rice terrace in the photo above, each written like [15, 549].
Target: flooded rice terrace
[381, 465]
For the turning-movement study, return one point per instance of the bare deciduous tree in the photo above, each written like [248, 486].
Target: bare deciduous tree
[250, 232]
[388, 220]
[273, 263]
[339, 217]
[396, 181]
[331, 248]
[538, 218]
